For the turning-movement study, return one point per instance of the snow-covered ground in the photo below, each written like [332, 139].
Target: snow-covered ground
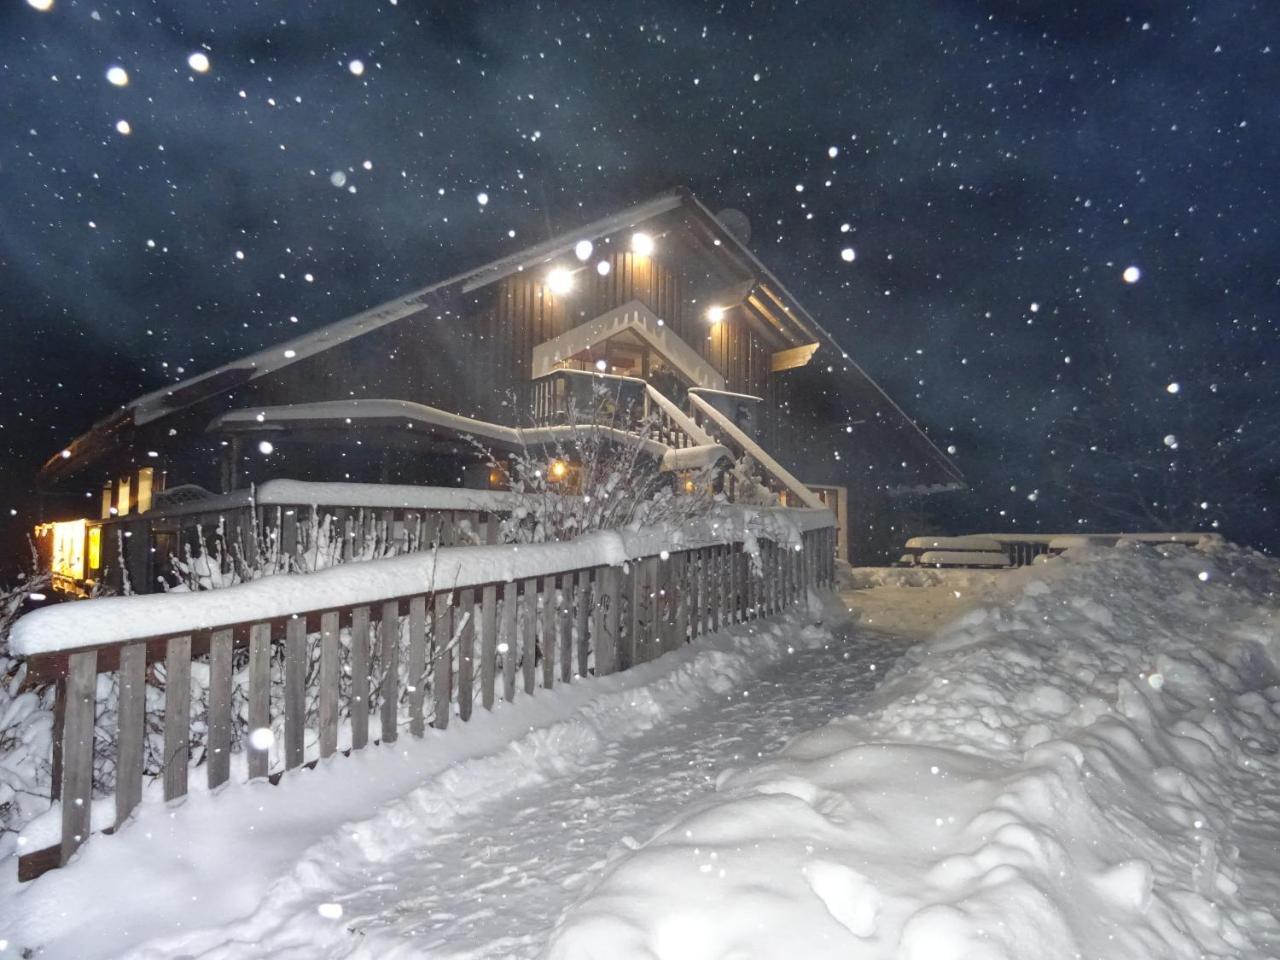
[1084, 764]
[1087, 770]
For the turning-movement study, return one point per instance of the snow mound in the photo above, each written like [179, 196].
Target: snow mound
[1087, 769]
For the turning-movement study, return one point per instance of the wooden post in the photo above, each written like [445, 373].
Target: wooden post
[76, 787]
[507, 639]
[390, 633]
[550, 609]
[259, 696]
[681, 597]
[177, 716]
[329, 673]
[295, 691]
[566, 627]
[582, 613]
[488, 643]
[131, 719]
[442, 670]
[466, 629]
[417, 664]
[529, 633]
[218, 746]
[359, 706]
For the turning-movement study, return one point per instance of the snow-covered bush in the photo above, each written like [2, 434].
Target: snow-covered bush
[597, 475]
[26, 725]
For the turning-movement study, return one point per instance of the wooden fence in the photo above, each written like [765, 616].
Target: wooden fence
[404, 663]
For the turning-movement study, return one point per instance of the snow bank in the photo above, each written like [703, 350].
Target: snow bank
[1088, 770]
[115, 619]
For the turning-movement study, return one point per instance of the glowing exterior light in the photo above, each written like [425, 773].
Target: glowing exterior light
[117, 77]
[715, 314]
[642, 244]
[602, 365]
[603, 268]
[558, 470]
[266, 447]
[44, 6]
[122, 127]
[1131, 275]
[582, 249]
[65, 454]
[198, 62]
[560, 281]
[356, 67]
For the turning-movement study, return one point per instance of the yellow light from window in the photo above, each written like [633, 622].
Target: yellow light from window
[689, 486]
[642, 244]
[95, 548]
[66, 558]
[558, 470]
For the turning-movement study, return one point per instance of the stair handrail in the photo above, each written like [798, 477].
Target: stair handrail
[748, 446]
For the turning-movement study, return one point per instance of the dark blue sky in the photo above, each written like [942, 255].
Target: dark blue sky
[997, 166]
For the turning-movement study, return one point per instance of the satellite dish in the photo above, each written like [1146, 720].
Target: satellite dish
[736, 222]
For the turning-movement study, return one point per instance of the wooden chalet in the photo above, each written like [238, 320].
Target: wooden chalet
[664, 300]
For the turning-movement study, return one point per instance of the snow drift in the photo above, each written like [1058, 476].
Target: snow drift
[1089, 770]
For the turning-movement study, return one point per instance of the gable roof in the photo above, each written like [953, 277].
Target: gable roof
[774, 303]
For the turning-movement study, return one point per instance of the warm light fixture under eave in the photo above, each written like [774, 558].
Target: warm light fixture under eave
[642, 244]
[560, 281]
[715, 314]
[558, 470]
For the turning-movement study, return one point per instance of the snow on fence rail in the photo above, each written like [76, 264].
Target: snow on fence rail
[1021, 549]
[363, 650]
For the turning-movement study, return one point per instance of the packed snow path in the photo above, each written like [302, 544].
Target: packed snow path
[494, 882]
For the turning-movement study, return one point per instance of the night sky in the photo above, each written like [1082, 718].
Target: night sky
[996, 167]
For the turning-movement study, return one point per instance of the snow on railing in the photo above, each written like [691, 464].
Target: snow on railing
[1022, 549]
[290, 670]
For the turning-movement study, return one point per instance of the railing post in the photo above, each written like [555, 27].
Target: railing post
[76, 787]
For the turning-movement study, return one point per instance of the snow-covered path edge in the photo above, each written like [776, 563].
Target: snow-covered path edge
[237, 866]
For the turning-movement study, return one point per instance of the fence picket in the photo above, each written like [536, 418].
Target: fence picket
[566, 627]
[550, 607]
[507, 640]
[417, 664]
[442, 670]
[359, 706]
[259, 697]
[488, 643]
[328, 706]
[295, 691]
[582, 597]
[529, 633]
[76, 782]
[389, 631]
[466, 630]
[130, 730]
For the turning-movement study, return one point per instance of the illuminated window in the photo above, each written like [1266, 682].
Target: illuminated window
[106, 501]
[122, 496]
[145, 477]
[67, 557]
[95, 548]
